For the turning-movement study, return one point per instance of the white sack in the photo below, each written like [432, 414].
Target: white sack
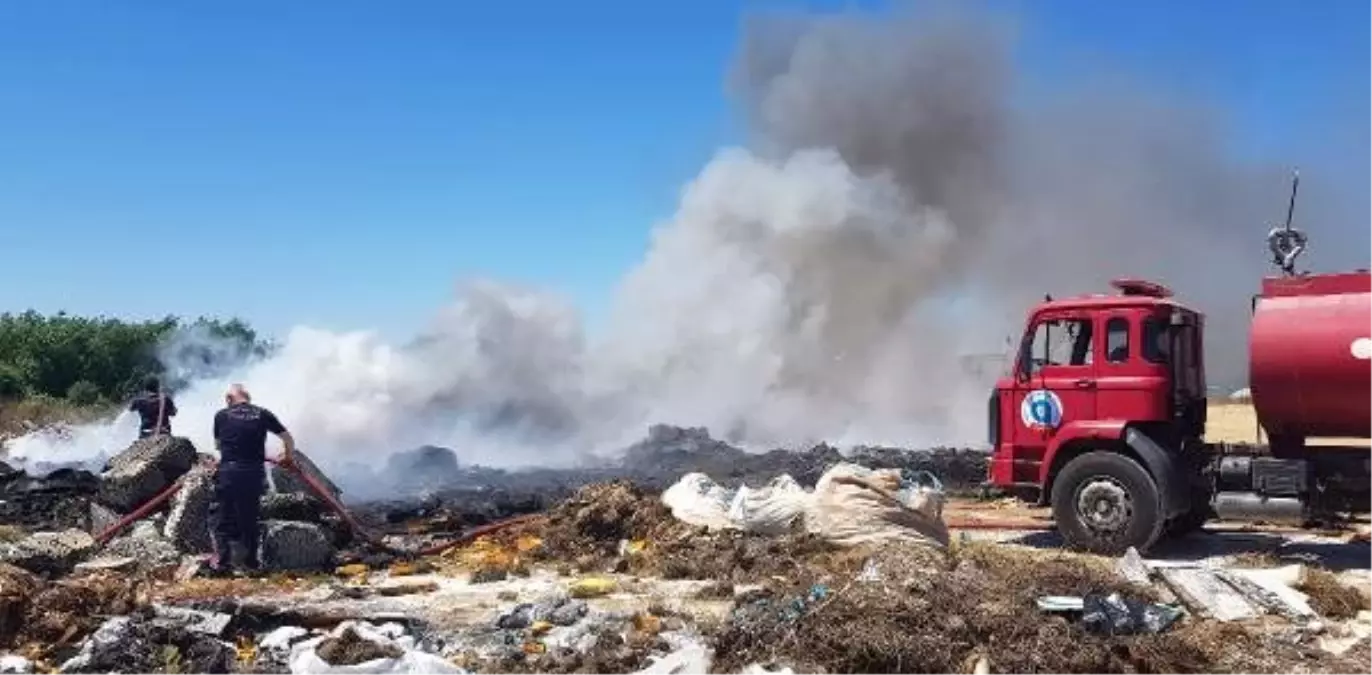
[854, 505]
[697, 500]
[770, 509]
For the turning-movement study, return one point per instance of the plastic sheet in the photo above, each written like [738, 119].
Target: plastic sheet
[699, 501]
[771, 509]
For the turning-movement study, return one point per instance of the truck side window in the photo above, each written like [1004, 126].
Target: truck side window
[1117, 340]
[1156, 343]
[1060, 342]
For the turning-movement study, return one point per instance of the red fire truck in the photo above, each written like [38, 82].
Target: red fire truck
[1103, 415]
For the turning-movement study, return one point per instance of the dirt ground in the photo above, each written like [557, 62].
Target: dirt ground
[1236, 422]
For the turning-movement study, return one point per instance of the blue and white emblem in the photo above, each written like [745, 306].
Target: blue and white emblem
[1041, 409]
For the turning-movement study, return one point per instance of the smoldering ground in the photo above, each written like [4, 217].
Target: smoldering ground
[898, 204]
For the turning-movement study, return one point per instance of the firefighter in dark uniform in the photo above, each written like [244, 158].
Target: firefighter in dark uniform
[155, 409]
[240, 434]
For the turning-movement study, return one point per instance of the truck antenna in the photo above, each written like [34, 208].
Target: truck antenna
[1286, 242]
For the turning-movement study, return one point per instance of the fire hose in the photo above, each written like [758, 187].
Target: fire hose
[324, 494]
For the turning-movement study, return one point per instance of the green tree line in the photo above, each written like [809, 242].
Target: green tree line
[88, 360]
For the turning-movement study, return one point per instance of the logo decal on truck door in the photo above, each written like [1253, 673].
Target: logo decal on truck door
[1041, 409]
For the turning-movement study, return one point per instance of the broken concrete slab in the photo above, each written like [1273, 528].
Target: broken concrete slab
[292, 506]
[107, 563]
[107, 638]
[140, 644]
[1272, 589]
[188, 522]
[292, 545]
[1206, 594]
[146, 468]
[193, 620]
[49, 552]
[149, 552]
[1132, 567]
[102, 517]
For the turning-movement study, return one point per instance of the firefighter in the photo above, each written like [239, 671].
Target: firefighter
[240, 435]
[155, 409]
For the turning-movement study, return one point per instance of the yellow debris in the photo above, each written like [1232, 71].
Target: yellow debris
[407, 567]
[535, 648]
[246, 650]
[539, 628]
[352, 570]
[527, 542]
[592, 587]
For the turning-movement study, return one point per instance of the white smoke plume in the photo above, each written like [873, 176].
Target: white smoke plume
[895, 209]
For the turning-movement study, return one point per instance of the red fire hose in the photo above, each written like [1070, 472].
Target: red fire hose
[139, 513]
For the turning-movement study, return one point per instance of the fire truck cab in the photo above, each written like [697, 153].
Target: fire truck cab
[1102, 416]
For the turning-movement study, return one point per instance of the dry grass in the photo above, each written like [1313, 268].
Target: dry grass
[20, 417]
[925, 613]
[214, 589]
[1255, 560]
[1329, 596]
[1236, 422]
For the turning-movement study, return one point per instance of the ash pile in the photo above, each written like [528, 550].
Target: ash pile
[432, 485]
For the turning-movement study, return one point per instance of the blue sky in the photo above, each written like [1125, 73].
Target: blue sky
[344, 163]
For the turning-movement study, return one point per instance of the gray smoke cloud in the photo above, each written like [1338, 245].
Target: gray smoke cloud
[896, 210]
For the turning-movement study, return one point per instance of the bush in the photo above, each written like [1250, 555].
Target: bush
[86, 360]
[83, 392]
[11, 382]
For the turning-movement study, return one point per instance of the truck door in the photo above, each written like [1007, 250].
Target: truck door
[1056, 382]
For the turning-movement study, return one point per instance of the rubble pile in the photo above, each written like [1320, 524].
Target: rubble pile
[52, 520]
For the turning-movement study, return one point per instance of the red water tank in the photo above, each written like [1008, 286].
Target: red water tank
[1309, 351]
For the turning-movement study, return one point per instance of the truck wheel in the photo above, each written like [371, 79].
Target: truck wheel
[1105, 502]
[1188, 522]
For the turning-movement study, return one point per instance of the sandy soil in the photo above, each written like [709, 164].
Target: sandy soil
[1236, 422]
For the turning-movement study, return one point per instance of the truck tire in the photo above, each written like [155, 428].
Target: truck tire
[1105, 502]
[1188, 522]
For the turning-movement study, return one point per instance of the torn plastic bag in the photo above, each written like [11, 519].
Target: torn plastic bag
[1112, 614]
[770, 509]
[697, 500]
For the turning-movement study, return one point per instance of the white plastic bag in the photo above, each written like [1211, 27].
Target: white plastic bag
[853, 505]
[697, 500]
[770, 509]
[305, 660]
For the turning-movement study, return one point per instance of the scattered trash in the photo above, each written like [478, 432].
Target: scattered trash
[1114, 615]
[592, 587]
[360, 647]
